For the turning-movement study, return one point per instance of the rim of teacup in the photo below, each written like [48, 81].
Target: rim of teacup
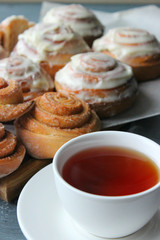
[96, 196]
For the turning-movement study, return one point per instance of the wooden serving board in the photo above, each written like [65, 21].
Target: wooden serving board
[11, 185]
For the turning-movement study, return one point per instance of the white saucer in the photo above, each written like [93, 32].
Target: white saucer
[41, 215]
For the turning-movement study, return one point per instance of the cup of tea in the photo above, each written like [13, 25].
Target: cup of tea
[109, 181]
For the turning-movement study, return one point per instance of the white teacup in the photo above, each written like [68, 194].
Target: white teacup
[105, 216]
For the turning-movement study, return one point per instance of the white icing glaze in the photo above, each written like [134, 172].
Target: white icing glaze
[81, 19]
[93, 71]
[46, 39]
[108, 96]
[7, 20]
[127, 42]
[22, 70]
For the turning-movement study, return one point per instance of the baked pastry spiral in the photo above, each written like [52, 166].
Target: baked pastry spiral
[135, 47]
[55, 119]
[12, 152]
[79, 18]
[106, 84]
[50, 45]
[10, 28]
[34, 80]
[11, 101]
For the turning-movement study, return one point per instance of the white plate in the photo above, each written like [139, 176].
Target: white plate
[41, 215]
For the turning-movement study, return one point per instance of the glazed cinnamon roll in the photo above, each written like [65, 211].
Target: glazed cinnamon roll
[10, 28]
[79, 18]
[50, 45]
[34, 80]
[12, 152]
[55, 119]
[105, 84]
[11, 101]
[135, 47]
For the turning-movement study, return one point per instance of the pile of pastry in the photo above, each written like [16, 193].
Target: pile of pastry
[59, 77]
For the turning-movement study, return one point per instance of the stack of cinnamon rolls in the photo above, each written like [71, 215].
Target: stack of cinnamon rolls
[59, 77]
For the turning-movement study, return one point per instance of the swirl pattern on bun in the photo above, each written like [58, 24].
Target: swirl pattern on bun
[11, 152]
[106, 84]
[79, 18]
[50, 45]
[55, 119]
[11, 101]
[135, 47]
[31, 77]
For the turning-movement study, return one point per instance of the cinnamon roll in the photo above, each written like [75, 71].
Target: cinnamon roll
[55, 119]
[11, 101]
[135, 47]
[79, 18]
[10, 28]
[50, 45]
[105, 84]
[33, 80]
[12, 152]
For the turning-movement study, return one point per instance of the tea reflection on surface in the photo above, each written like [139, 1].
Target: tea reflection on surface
[110, 171]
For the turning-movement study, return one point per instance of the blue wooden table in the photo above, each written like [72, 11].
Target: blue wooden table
[9, 228]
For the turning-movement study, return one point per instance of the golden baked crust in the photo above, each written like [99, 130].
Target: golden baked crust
[12, 152]
[106, 108]
[10, 28]
[60, 60]
[55, 119]
[11, 101]
[144, 68]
